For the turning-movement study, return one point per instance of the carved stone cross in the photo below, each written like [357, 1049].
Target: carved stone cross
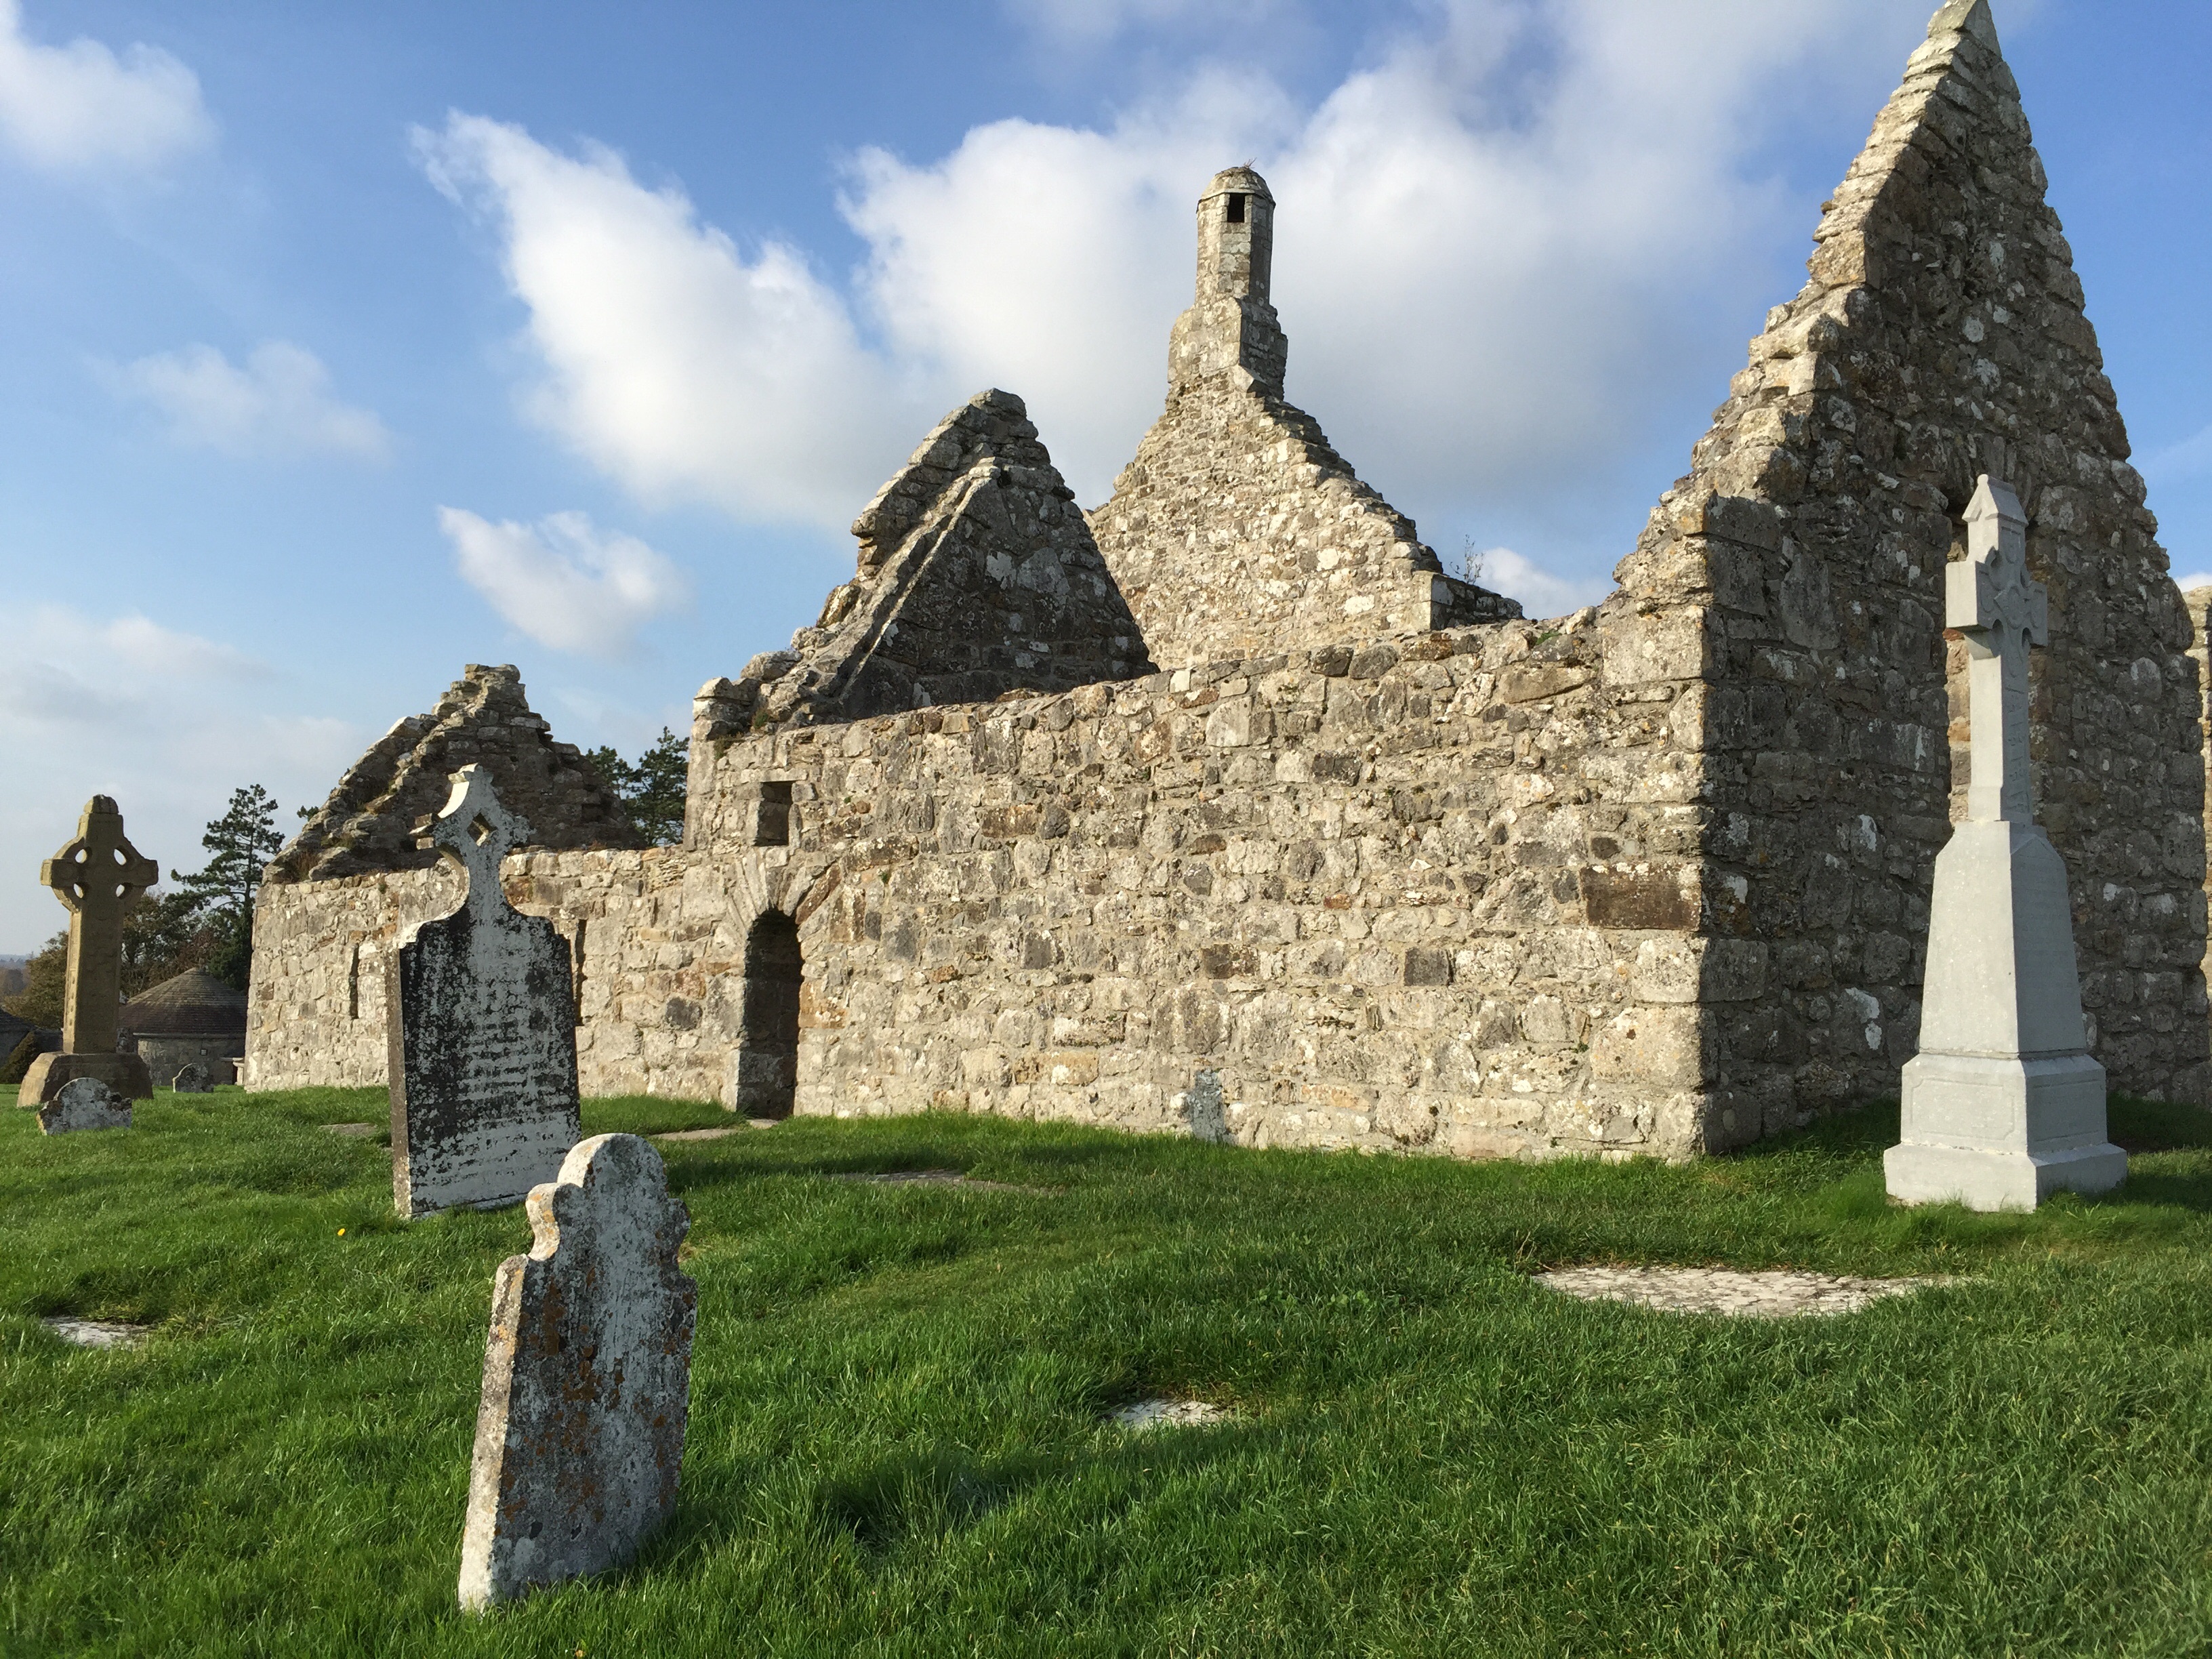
[476, 831]
[2001, 613]
[96, 876]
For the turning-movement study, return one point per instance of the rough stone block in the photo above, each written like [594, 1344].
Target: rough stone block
[587, 1378]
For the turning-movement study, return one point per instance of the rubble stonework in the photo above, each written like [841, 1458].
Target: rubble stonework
[977, 576]
[1238, 531]
[1653, 877]
[367, 824]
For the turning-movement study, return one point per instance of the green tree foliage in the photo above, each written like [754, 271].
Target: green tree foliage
[652, 788]
[240, 845]
[40, 1001]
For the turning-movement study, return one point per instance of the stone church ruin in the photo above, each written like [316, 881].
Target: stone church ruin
[1222, 807]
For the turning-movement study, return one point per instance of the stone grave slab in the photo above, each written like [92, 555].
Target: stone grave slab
[482, 1020]
[194, 1079]
[587, 1377]
[84, 1103]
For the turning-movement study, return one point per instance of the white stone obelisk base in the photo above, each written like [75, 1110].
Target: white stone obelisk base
[2003, 1105]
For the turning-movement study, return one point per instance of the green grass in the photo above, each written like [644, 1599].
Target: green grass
[897, 1435]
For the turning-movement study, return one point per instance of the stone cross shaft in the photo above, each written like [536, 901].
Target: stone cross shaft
[1990, 598]
[96, 876]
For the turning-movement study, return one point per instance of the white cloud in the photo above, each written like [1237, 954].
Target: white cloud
[1541, 592]
[562, 582]
[279, 405]
[166, 721]
[2193, 580]
[78, 108]
[673, 362]
[1495, 245]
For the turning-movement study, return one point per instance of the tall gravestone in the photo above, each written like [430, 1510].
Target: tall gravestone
[96, 876]
[482, 1029]
[2003, 1105]
[587, 1378]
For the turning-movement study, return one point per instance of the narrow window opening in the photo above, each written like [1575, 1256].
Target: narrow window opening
[767, 1080]
[576, 968]
[1236, 207]
[353, 985]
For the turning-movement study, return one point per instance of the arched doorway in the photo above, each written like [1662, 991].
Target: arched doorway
[768, 1024]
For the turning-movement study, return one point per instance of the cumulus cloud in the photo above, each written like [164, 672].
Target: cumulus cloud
[1495, 242]
[79, 107]
[280, 403]
[562, 582]
[673, 361]
[167, 721]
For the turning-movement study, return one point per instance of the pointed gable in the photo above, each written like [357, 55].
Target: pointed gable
[367, 824]
[977, 576]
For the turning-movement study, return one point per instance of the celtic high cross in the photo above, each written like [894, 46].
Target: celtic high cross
[2001, 612]
[96, 876]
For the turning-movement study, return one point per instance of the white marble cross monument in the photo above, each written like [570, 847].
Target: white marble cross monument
[2002, 1105]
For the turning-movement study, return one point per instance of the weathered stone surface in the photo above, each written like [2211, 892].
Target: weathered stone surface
[1652, 878]
[588, 1377]
[194, 1078]
[482, 1020]
[96, 876]
[84, 1103]
[367, 824]
[1237, 531]
[1774, 1293]
[977, 576]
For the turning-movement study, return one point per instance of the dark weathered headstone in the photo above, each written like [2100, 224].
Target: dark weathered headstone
[587, 1378]
[194, 1079]
[84, 1103]
[482, 1029]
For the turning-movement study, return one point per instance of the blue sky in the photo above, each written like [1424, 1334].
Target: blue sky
[343, 347]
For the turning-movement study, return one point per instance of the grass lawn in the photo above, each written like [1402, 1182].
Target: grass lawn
[897, 1438]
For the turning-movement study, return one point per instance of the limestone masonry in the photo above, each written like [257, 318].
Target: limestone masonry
[1221, 809]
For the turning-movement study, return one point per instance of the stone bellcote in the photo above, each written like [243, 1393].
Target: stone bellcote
[1230, 325]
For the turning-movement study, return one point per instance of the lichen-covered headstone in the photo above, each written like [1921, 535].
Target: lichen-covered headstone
[587, 1378]
[84, 1103]
[194, 1079]
[482, 1029]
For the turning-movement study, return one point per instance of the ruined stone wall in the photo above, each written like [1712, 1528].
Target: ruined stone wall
[1238, 532]
[1941, 335]
[367, 824]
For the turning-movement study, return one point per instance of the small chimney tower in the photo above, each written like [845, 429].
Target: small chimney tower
[1231, 324]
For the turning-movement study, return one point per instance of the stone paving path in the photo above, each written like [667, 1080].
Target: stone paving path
[353, 1131]
[1777, 1293]
[717, 1133]
[95, 1333]
[1173, 1414]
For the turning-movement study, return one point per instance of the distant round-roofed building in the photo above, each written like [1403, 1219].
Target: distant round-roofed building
[193, 1017]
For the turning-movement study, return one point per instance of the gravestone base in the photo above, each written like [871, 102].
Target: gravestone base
[127, 1074]
[2002, 1134]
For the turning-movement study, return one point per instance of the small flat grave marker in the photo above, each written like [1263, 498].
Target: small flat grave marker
[1777, 1293]
[1173, 1414]
[95, 1333]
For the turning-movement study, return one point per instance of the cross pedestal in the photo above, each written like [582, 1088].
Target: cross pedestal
[2003, 1105]
[95, 877]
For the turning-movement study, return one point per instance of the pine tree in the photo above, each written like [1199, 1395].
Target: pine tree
[651, 790]
[241, 843]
